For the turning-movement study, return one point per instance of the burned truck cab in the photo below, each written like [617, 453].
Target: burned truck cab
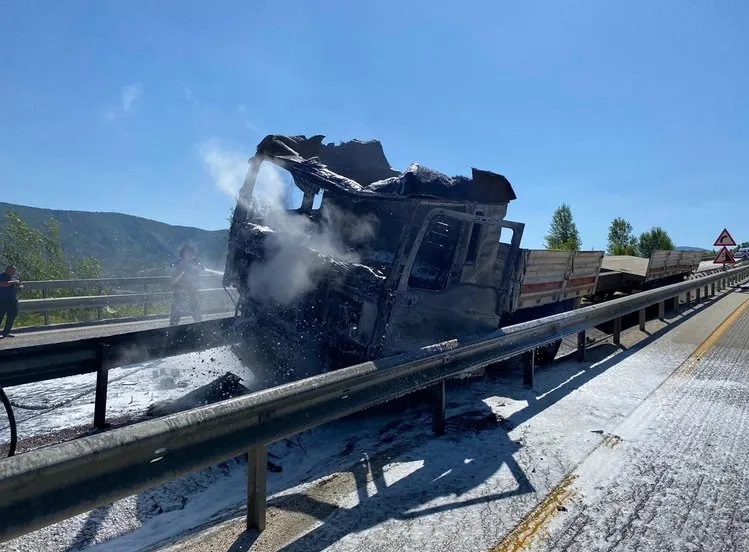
[373, 261]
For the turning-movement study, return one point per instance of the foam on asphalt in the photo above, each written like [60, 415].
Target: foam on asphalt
[383, 482]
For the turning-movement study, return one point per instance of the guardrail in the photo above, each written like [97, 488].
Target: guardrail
[98, 355]
[50, 484]
[98, 283]
[87, 301]
[711, 271]
[217, 299]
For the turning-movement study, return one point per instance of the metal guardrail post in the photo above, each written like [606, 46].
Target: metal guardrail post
[257, 482]
[662, 311]
[688, 299]
[712, 289]
[697, 295]
[46, 313]
[102, 380]
[707, 291]
[438, 408]
[642, 319]
[581, 346]
[617, 331]
[529, 369]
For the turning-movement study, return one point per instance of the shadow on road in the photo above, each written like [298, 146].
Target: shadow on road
[87, 534]
[432, 476]
[244, 542]
[428, 490]
[556, 382]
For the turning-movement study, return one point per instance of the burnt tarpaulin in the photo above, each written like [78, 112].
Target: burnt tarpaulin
[419, 181]
[363, 162]
[361, 167]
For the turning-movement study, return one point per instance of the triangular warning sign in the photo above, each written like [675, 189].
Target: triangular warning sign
[725, 239]
[724, 257]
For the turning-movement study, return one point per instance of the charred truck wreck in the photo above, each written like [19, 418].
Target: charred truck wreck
[375, 262]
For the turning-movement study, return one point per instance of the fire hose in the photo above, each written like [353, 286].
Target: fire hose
[12, 420]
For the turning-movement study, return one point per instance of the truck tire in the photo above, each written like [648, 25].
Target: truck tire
[545, 355]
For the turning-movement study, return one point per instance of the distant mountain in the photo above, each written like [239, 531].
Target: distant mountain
[688, 248]
[125, 245]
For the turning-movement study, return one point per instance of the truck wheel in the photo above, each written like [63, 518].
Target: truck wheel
[545, 355]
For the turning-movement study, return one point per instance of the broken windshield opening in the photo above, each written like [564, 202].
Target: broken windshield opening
[276, 189]
[323, 220]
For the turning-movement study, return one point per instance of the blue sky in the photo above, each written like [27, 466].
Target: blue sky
[635, 109]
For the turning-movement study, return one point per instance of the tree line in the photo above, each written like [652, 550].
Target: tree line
[563, 235]
[38, 254]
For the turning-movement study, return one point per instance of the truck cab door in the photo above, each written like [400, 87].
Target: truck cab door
[431, 304]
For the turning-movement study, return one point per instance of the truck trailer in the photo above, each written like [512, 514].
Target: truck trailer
[374, 261]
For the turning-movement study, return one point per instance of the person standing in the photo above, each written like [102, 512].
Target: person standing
[185, 285]
[9, 286]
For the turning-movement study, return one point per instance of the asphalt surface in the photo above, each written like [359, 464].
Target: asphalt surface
[640, 450]
[555, 460]
[676, 476]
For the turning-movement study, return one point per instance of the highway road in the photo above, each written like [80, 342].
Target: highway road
[641, 449]
[707, 265]
[710, 265]
[639, 445]
[675, 477]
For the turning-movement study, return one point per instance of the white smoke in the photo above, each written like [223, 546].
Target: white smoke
[289, 269]
[226, 166]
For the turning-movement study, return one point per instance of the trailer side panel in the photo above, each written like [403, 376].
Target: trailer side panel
[554, 276]
[664, 264]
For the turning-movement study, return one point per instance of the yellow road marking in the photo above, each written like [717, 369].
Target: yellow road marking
[689, 364]
[528, 529]
[539, 516]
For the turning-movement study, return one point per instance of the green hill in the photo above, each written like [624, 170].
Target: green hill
[689, 248]
[125, 245]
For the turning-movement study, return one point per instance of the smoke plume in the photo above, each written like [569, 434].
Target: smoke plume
[298, 251]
